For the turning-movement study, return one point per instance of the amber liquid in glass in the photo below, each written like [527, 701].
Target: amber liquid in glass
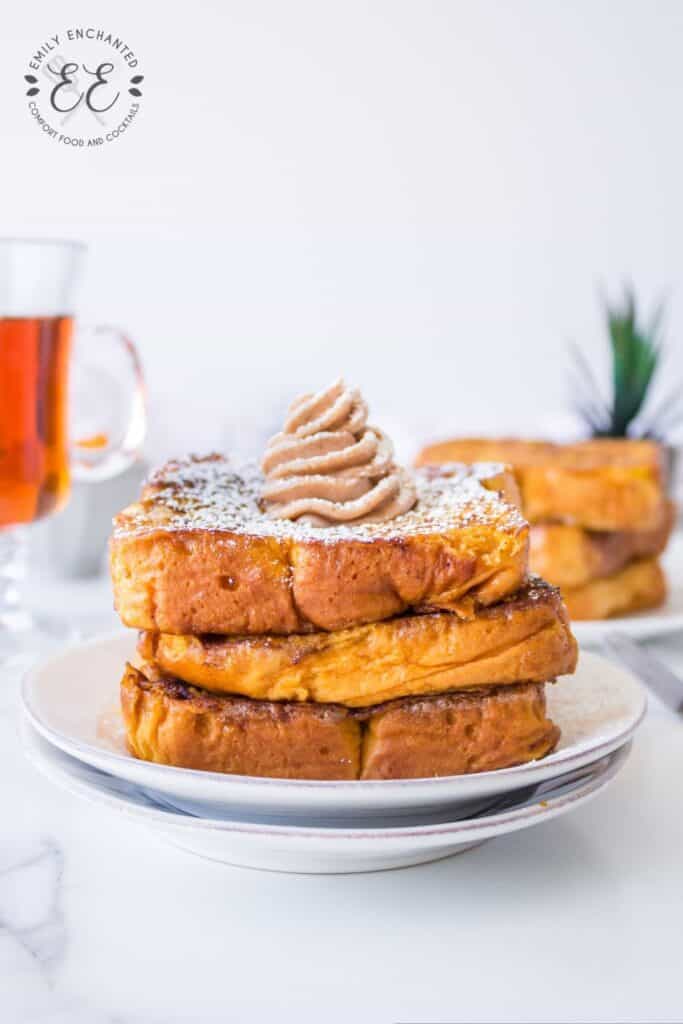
[34, 456]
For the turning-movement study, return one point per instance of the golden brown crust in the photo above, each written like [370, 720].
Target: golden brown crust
[640, 585]
[458, 734]
[602, 484]
[570, 556]
[200, 557]
[171, 723]
[526, 637]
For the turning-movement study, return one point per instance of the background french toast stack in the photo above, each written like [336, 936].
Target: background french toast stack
[598, 511]
[333, 616]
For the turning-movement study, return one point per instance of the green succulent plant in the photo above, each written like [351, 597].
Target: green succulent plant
[636, 351]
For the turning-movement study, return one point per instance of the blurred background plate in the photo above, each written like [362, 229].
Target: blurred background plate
[648, 624]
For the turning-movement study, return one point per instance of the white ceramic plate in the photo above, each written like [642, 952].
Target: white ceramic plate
[72, 700]
[319, 850]
[649, 624]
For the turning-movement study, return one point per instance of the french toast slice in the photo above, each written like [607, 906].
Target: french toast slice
[525, 637]
[197, 554]
[601, 484]
[170, 722]
[569, 556]
[638, 586]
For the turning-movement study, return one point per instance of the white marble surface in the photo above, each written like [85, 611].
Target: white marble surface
[578, 919]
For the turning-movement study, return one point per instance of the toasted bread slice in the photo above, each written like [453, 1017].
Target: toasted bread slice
[198, 555]
[570, 556]
[523, 638]
[457, 733]
[172, 723]
[603, 484]
[638, 586]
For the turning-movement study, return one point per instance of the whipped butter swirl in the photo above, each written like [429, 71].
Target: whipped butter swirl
[328, 466]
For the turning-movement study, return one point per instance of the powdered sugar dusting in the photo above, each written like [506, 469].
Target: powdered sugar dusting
[600, 702]
[208, 494]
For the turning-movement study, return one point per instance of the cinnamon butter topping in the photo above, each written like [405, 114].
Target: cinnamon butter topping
[328, 466]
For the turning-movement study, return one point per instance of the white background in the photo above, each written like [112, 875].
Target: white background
[425, 196]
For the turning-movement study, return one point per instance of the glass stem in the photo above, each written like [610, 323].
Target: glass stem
[13, 553]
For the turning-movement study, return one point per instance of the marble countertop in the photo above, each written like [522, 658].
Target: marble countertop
[578, 919]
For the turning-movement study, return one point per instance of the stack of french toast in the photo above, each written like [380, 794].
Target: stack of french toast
[599, 515]
[330, 615]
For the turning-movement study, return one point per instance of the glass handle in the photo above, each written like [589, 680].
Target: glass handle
[108, 403]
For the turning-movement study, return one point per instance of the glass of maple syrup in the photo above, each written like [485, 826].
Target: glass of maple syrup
[43, 354]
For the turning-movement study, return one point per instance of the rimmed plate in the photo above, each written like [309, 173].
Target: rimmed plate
[648, 624]
[72, 700]
[298, 848]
